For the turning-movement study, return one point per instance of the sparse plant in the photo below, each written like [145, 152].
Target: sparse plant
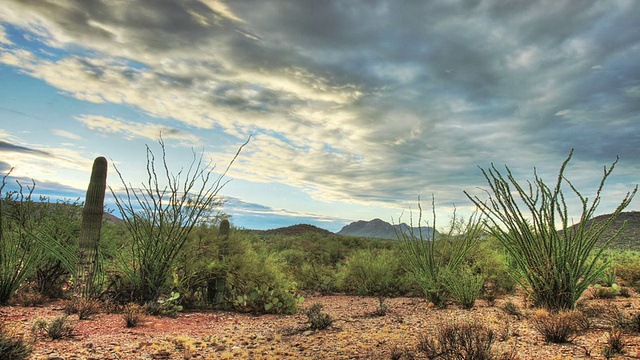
[317, 319]
[512, 309]
[13, 347]
[471, 341]
[614, 344]
[55, 329]
[558, 328]
[535, 245]
[429, 255]
[132, 314]
[160, 218]
[85, 307]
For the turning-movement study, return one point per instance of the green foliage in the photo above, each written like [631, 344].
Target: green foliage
[258, 283]
[375, 273]
[463, 285]
[20, 252]
[169, 307]
[316, 318]
[428, 256]
[57, 328]
[161, 217]
[608, 292]
[11, 347]
[555, 267]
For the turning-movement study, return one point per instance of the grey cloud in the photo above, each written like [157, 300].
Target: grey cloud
[6, 147]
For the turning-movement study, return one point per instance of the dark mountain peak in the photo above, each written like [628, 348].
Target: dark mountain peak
[298, 230]
[378, 228]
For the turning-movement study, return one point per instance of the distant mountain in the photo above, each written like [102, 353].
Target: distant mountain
[297, 230]
[629, 237]
[380, 229]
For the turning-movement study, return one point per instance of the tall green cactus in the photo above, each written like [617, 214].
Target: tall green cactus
[216, 286]
[91, 226]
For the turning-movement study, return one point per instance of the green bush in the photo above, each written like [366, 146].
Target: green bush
[375, 273]
[428, 255]
[463, 286]
[258, 283]
[169, 307]
[317, 319]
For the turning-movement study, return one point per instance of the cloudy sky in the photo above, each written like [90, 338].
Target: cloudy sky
[354, 108]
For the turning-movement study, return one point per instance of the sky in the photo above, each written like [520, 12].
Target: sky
[353, 109]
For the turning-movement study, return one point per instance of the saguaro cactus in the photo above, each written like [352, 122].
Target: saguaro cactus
[91, 226]
[217, 285]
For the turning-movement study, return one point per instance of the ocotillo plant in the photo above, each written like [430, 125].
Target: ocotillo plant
[218, 284]
[91, 226]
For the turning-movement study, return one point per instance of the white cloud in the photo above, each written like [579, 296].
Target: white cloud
[131, 130]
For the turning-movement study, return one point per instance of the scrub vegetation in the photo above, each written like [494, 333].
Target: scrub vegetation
[175, 251]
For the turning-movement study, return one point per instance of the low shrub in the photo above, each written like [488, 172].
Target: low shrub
[511, 309]
[132, 314]
[84, 307]
[317, 319]
[605, 292]
[464, 287]
[614, 344]
[472, 341]
[12, 347]
[57, 328]
[561, 327]
[169, 307]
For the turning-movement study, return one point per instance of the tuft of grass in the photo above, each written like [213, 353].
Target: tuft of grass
[57, 328]
[614, 344]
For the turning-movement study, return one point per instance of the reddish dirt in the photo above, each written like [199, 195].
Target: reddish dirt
[358, 334]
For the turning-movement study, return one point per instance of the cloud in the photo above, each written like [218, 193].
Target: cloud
[374, 103]
[66, 134]
[13, 148]
[131, 130]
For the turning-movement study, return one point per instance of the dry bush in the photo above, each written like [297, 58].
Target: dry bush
[132, 314]
[560, 327]
[84, 307]
[614, 345]
[57, 328]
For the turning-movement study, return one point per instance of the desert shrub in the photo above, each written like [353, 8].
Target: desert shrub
[512, 309]
[20, 251]
[428, 255]
[258, 283]
[614, 344]
[317, 277]
[55, 329]
[160, 218]
[605, 292]
[533, 242]
[619, 319]
[463, 285]
[560, 327]
[169, 307]
[317, 319]
[13, 347]
[471, 341]
[132, 314]
[375, 273]
[84, 307]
